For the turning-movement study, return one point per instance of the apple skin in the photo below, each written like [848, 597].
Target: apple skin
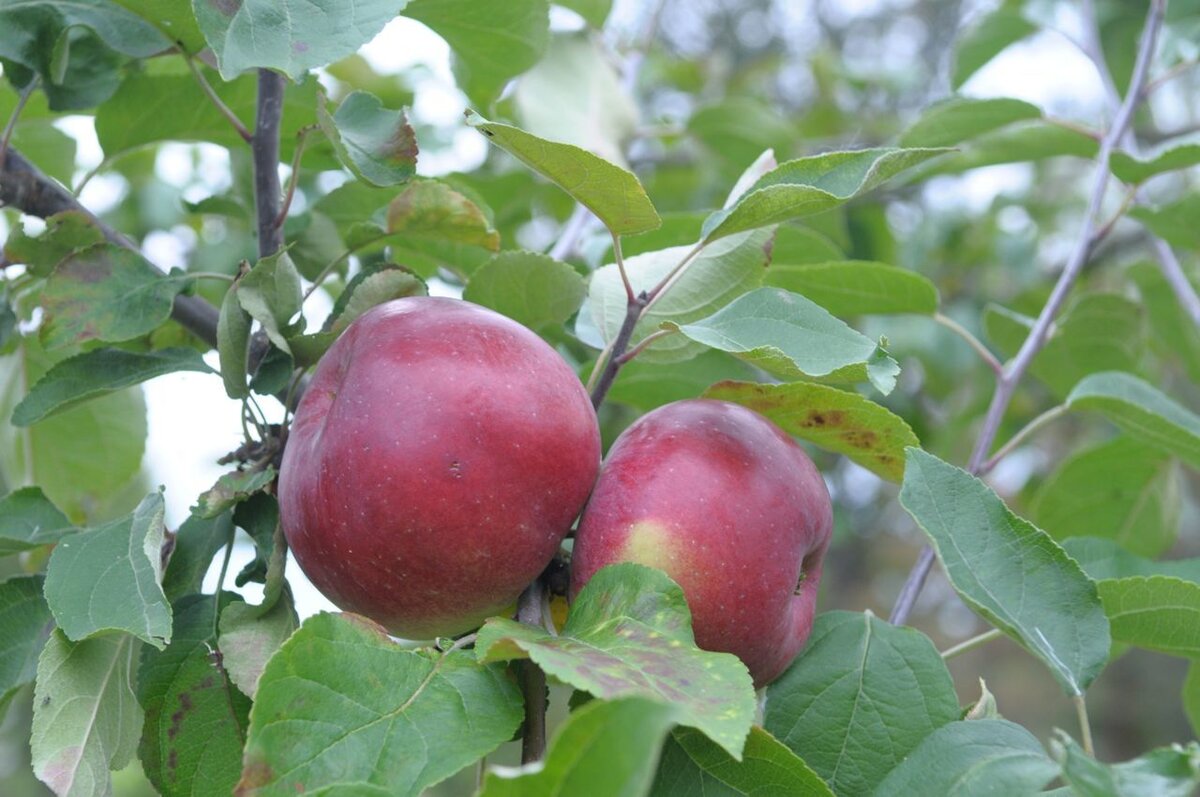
[437, 459]
[732, 509]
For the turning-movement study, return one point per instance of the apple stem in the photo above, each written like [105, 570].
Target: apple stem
[532, 680]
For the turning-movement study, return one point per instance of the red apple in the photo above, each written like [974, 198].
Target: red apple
[435, 463]
[732, 509]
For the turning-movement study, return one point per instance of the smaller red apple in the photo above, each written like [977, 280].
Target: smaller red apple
[732, 509]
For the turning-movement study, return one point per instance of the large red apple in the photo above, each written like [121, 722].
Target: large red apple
[732, 509]
[435, 463]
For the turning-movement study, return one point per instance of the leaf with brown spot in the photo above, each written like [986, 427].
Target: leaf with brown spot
[106, 292]
[374, 142]
[629, 633]
[837, 420]
[432, 210]
[65, 233]
[195, 719]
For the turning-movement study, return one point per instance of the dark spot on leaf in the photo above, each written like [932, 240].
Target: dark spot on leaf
[227, 7]
[818, 419]
[366, 624]
[300, 47]
[207, 683]
[487, 132]
[173, 759]
[185, 705]
[255, 775]
[861, 438]
[402, 146]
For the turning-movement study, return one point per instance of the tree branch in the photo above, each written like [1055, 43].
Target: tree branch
[25, 187]
[265, 148]
[1006, 385]
[532, 679]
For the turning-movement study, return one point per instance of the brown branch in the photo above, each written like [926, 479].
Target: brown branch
[532, 680]
[25, 187]
[265, 147]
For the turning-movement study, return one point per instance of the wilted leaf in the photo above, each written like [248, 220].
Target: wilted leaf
[375, 143]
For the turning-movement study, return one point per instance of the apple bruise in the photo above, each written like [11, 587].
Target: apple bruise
[728, 506]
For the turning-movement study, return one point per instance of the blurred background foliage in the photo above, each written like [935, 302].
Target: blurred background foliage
[721, 81]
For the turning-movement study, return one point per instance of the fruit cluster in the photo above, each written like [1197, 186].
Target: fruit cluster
[443, 451]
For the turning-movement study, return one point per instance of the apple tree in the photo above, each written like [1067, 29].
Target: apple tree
[759, 203]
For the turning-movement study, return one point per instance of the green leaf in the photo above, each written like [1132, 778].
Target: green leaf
[1154, 612]
[108, 578]
[1172, 331]
[604, 749]
[289, 36]
[716, 276]
[594, 12]
[196, 543]
[29, 520]
[691, 765]
[370, 287]
[990, 756]
[1008, 570]
[86, 718]
[1165, 772]
[1123, 490]
[25, 621]
[80, 458]
[834, 419]
[860, 698]
[629, 633]
[1175, 223]
[270, 292]
[798, 246]
[492, 42]
[233, 344]
[573, 95]
[151, 107]
[314, 243]
[250, 637]
[432, 209]
[105, 292]
[1032, 140]
[232, 488]
[1105, 559]
[376, 718]
[173, 19]
[96, 373]
[377, 144]
[528, 287]
[610, 192]
[1142, 411]
[1132, 169]
[195, 719]
[648, 385]
[958, 119]
[65, 234]
[985, 40]
[792, 337]
[806, 186]
[1102, 332]
[858, 287]
[736, 129]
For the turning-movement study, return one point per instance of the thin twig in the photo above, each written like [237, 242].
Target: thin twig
[211, 275]
[301, 137]
[574, 228]
[1006, 385]
[645, 342]
[1020, 436]
[633, 312]
[964, 333]
[217, 102]
[1168, 75]
[23, 98]
[1085, 727]
[620, 259]
[221, 583]
[971, 644]
[532, 680]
